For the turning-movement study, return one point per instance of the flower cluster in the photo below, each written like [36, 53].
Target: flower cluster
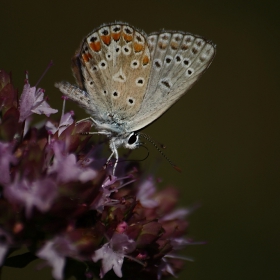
[59, 201]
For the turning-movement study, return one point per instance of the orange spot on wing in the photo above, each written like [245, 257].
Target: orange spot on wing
[146, 60]
[138, 47]
[174, 45]
[116, 36]
[85, 57]
[127, 37]
[95, 46]
[106, 39]
[162, 45]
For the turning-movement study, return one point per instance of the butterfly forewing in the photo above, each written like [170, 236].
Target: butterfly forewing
[115, 64]
[178, 60]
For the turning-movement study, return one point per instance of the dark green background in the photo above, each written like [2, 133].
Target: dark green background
[224, 133]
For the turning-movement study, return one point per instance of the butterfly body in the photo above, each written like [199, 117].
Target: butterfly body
[126, 79]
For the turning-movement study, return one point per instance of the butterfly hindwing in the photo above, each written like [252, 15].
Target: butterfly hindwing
[178, 60]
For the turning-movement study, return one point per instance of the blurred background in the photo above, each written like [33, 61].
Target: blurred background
[224, 133]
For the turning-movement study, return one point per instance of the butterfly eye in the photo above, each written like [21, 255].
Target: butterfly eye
[133, 138]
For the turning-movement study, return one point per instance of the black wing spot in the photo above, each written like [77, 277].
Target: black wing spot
[178, 58]
[168, 60]
[105, 32]
[194, 50]
[116, 29]
[121, 77]
[166, 84]
[164, 37]
[177, 38]
[93, 39]
[128, 31]
[157, 64]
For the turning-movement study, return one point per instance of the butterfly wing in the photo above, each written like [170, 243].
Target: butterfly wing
[113, 68]
[178, 60]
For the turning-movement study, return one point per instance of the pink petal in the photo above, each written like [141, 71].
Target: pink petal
[57, 261]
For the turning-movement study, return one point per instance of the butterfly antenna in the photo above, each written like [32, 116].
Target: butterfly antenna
[160, 151]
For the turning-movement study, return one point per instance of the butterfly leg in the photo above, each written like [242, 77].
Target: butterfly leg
[114, 152]
[87, 119]
[108, 160]
[92, 120]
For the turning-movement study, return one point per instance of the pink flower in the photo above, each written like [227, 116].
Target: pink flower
[39, 193]
[54, 252]
[66, 168]
[145, 191]
[66, 120]
[32, 101]
[113, 253]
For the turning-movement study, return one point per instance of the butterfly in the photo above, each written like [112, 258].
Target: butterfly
[127, 79]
